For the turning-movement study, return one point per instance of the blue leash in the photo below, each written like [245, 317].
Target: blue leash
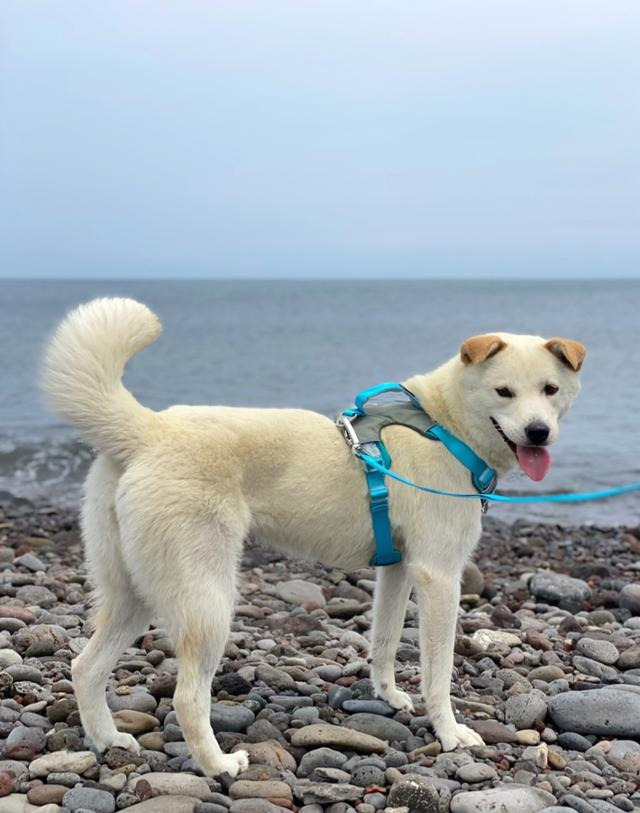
[577, 497]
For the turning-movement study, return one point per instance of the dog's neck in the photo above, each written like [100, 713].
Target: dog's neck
[435, 391]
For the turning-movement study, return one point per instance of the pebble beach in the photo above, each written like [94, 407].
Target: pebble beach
[547, 670]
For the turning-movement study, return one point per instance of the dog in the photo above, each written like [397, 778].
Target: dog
[172, 495]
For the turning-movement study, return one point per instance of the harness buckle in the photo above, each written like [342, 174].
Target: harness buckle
[343, 423]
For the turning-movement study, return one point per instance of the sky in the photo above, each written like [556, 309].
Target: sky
[226, 138]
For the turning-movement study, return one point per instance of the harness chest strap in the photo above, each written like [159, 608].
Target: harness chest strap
[362, 427]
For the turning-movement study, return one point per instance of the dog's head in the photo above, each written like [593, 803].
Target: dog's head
[515, 389]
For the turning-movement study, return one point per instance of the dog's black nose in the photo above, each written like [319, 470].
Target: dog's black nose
[537, 432]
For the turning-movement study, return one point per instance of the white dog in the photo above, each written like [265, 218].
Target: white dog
[173, 494]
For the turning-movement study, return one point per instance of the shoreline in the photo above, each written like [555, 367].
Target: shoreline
[541, 660]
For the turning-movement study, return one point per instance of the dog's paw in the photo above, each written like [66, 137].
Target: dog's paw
[233, 764]
[397, 699]
[118, 740]
[460, 736]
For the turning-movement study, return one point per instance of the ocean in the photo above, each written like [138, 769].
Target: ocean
[315, 344]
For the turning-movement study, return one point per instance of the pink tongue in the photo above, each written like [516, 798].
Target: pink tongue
[535, 461]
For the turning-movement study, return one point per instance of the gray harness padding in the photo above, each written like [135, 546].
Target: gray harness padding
[369, 427]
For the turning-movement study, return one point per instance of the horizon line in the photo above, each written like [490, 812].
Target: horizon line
[604, 278]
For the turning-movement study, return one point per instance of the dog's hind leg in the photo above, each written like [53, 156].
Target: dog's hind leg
[118, 622]
[390, 603]
[199, 613]
[183, 547]
[120, 614]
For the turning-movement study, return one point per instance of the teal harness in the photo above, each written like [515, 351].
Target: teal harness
[362, 427]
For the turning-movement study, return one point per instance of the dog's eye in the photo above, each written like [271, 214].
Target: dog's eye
[504, 392]
[550, 389]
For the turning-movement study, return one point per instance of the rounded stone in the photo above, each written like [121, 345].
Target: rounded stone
[378, 726]
[605, 712]
[369, 707]
[415, 793]
[630, 598]
[231, 717]
[24, 743]
[298, 591]
[82, 798]
[474, 772]
[64, 762]
[133, 701]
[174, 784]
[524, 710]
[595, 669]
[556, 588]
[340, 736]
[6, 783]
[630, 658]
[9, 657]
[603, 651]
[366, 776]
[546, 673]
[47, 794]
[265, 789]
[135, 722]
[472, 580]
[520, 798]
[572, 741]
[320, 758]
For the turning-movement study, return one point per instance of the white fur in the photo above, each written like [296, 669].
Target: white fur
[172, 496]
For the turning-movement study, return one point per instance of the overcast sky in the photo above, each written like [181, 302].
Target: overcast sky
[296, 138]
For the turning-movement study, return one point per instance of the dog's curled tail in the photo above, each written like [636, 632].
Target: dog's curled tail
[83, 368]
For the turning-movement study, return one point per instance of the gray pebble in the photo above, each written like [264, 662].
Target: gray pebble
[603, 651]
[524, 710]
[367, 775]
[92, 799]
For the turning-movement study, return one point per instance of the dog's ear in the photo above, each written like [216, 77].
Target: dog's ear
[569, 351]
[479, 348]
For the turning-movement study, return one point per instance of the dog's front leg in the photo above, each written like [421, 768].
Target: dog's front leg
[438, 596]
[389, 606]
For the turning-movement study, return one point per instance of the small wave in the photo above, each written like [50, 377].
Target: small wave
[47, 468]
